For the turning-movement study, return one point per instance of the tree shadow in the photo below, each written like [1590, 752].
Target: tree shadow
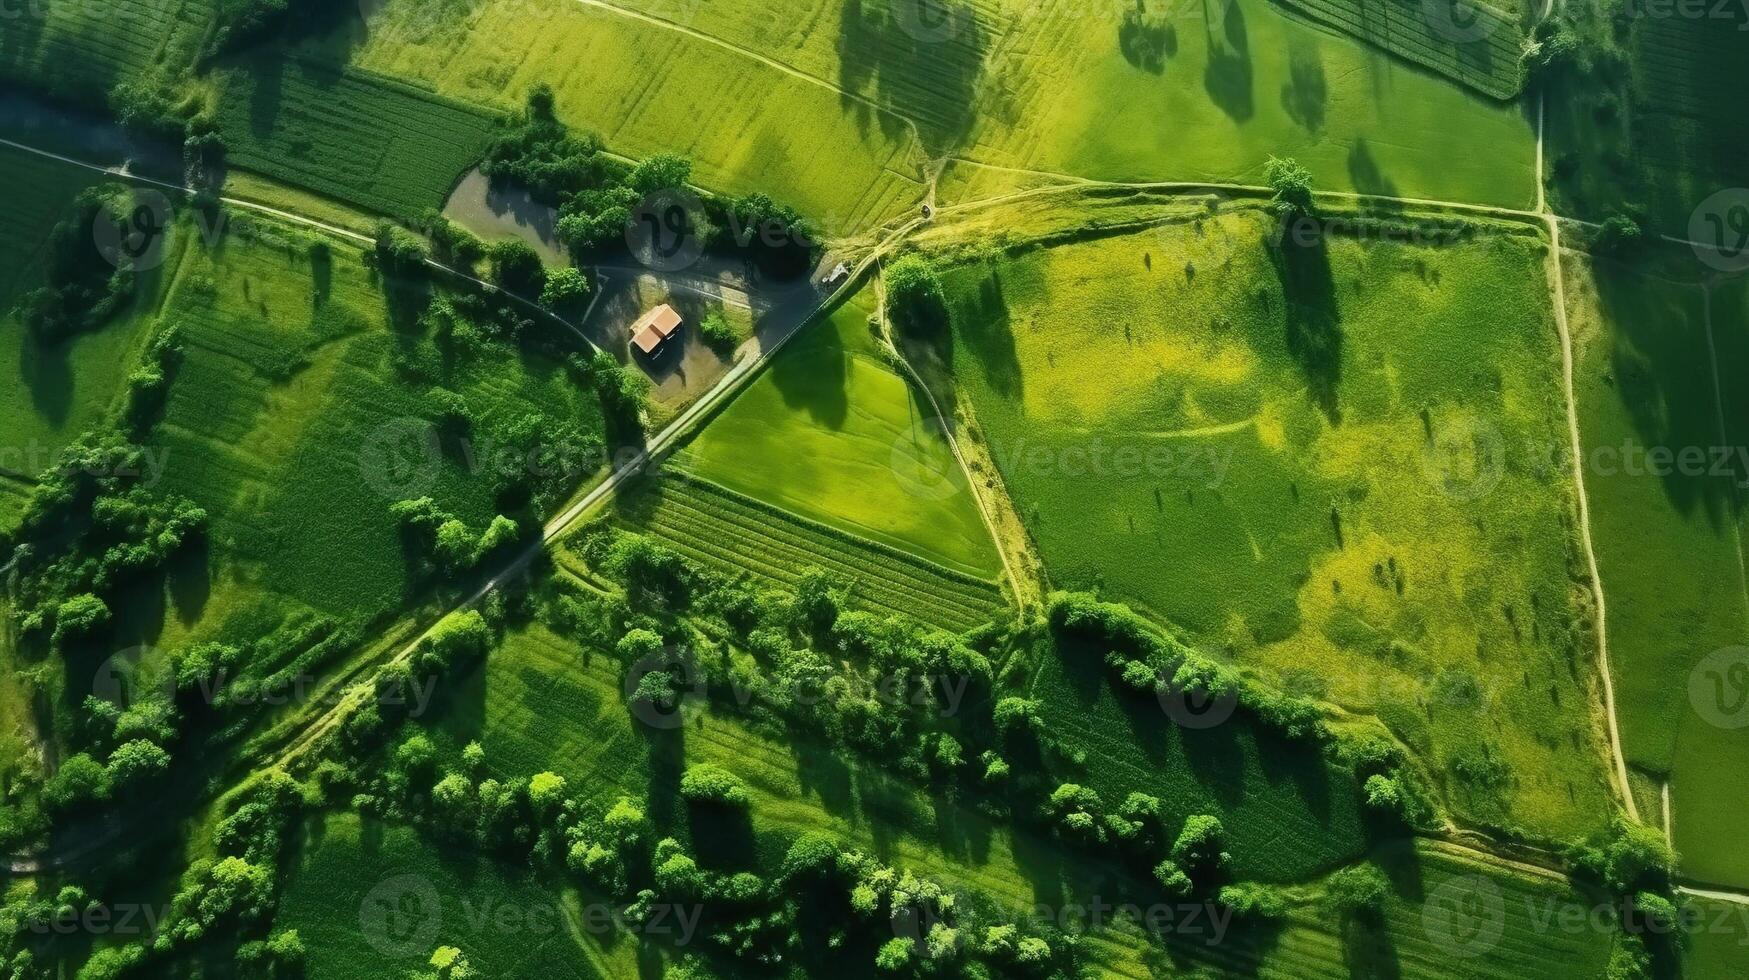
[1367, 949]
[1306, 91]
[1147, 41]
[666, 761]
[1659, 368]
[919, 60]
[1365, 173]
[1313, 322]
[48, 373]
[189, 579]
[987, 326]
[1228, 78]
[815, 377]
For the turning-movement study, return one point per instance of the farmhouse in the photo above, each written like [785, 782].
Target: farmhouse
[654, 328]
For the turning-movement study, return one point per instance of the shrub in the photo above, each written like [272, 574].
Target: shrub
[717, 332]
[915, 296]
[710, 783]
[1359, 891]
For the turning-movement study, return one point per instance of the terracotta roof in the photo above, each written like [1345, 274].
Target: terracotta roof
[654, 327]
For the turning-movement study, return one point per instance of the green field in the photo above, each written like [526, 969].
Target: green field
[1290, 815]
[49, 395]
[736, 533]
[1659, 140]
[78, 51]
[850, 104]
[544, 703]
[509, 923]
[347, 134]
[1278, 459]
[831, 433]
[1668, 544]
[1487, 58]
[295, 375]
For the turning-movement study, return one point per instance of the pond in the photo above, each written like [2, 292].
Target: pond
[499, 212]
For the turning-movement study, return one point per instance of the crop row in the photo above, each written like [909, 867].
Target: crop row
[1404, 29]
[724, 528]
[351, 135]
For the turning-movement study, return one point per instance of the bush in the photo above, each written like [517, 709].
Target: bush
[915, 296]
[565, 290]
[1359, 891]
[710, 783]
[718, 333]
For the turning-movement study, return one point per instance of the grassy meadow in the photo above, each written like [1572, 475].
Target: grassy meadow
[1317, 942]
[1288, 813]
[50, 394]
[833, 434]
[1331, 465]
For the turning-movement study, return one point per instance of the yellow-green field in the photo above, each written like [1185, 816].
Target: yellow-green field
[1332, 466]
[834, 434]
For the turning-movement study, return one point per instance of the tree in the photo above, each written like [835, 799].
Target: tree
[398, 250]
[894, 955]
[717, 332]
[1291, 187]
[566, 289]
[136, 763]
[711, 783]
[79, 617]
[1250, 900]
[664, 171]
[1621, 236]
[1200, 847]
[516, 267]
[915, 296]
[1359, 891]
[80, 781]
[546, 791]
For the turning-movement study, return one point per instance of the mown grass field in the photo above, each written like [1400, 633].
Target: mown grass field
[51, 394]
[1668, 543]
[283, 416]
[1276, 455]
[831, 433]
[382, 145]
[1721, 947]
[508, 923]
[735, 533]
